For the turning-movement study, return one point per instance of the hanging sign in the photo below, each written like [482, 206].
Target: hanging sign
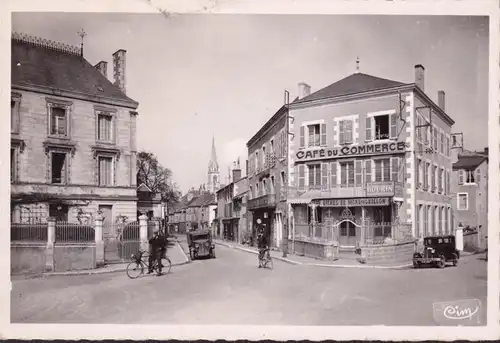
[353, 202]
[352, 151]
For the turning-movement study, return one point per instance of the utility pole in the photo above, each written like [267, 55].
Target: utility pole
[286, 224]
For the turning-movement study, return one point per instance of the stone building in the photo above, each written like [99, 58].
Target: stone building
[267, 177]
[369, 161]
[470, 192]
[73, 135]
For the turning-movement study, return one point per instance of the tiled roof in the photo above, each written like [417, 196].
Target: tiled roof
[353, 84]
[469, 162]
[38, 65]
[202, 200]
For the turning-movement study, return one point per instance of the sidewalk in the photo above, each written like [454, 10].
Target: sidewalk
[309, 261]
[175, 253]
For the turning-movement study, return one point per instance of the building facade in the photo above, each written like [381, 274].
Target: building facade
[240, 202]
[369, 160]
[267, 177]
[73, 135]
[470, 192]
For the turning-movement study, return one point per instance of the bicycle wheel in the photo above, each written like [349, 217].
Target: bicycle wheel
[269, 263]
[135, 269]
[166, 265]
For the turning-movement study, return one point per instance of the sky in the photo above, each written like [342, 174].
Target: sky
[196, 76]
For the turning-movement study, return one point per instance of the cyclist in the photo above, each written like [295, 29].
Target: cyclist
[261, 242]
[157, 249]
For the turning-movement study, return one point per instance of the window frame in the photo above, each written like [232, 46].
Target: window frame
[15, 126]
[466, 202]
[109, 112]
[67, 107]
[308, 139]
[467, 174]
[389, 168]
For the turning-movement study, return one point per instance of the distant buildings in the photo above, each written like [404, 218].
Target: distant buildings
[73, 135]
[470, 192]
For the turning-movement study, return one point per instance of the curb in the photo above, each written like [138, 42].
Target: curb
[404, 266]
[107, 271]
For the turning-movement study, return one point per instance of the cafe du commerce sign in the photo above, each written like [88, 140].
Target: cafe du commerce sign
[352, 151]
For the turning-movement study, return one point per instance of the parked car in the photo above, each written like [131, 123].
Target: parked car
[200, 244]
[438, 250]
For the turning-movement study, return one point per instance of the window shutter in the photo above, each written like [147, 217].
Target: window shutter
[333, 174]
[368, 129]
[348, 131]
[395, 169]
[368, 171]
[324, 175]
[341, 132]
[302, 177]
[323, 134]
[460, 177]
[394, 125]
[359, 172]
[302, 137]
[478, 175]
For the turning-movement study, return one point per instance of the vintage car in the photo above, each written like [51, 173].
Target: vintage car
[200, 244]
[438, 250]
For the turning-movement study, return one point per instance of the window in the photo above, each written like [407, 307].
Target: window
[345, 132]
[461, 177]
[13, 165]
[419, 173]
[264, 187]
[368, 171]
[302, 177]
[263, 162]
[282, 179]
[271, 146]
[442, 220]
[105, 171]
[437, 220]
[257, 162]
[441, 148]
[14, 114]
[333, 174]
[251, 192]
[462, 201]
[469, 176]
[58, 121]
[441, 181]
[433, 178]
[382, 170]
[347, 173]
[382, 127]
[478, 175]
[435, 139]
[419, 221]
[58, 168]
[447, 146]
[313, 135]
[314, 176]
[426, 166]
[272, 186]
[426, 220]
[104, 127]
[257, 191]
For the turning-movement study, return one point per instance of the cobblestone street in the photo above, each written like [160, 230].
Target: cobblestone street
[232, 290]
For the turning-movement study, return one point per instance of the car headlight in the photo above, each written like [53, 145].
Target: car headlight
[196, 245]
[206, 244]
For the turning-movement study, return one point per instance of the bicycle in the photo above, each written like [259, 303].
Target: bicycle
[136, 267]
[266, 261]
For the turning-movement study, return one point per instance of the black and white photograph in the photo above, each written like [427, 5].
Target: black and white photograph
[214, 168]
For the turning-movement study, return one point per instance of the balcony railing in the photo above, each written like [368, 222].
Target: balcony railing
[268, 200]
[369, 189]
[269, 162]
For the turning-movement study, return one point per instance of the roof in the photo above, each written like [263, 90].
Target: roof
[39, 62]
[267, 125]
[202, 200]
[352, 84]
[469, 162]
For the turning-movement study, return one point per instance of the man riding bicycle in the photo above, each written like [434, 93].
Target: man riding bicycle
[261, 242]
[158, 248]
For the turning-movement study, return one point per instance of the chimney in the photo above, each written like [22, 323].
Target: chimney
[441, 100]
[119, 69]
[304, 90]
[103, 68]
[486, 151]
[420, 76]
[236, 174]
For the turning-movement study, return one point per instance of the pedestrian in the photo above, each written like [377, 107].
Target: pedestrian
[261, 241]
[157, 249]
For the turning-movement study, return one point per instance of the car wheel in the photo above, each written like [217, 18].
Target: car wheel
[191, 255]
[212, 253]
[416, 264]
[455, 260]
[442, 262]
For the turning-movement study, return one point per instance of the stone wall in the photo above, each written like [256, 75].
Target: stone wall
[399, 253]
[319, 250]
[27, 258]
[74, 257]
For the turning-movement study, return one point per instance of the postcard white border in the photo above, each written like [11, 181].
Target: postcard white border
[395, 7]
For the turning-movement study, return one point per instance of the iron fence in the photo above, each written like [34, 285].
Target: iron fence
[74, 233]
[28, 232]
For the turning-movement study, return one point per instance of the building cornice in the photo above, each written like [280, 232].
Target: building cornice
[374, 94]
[76, 95]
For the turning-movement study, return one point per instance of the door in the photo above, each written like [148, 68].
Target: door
[347, 236]
[107, 215]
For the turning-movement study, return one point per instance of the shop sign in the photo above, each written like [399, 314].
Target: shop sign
[380, 189]
[352, 151]
[353, 202]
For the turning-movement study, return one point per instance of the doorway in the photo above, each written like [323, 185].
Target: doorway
[107, 222]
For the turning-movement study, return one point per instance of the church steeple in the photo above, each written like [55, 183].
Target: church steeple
[213, 170]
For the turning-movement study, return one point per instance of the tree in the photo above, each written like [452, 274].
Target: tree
[157, 177]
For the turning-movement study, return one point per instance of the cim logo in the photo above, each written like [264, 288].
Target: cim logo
[461, 312]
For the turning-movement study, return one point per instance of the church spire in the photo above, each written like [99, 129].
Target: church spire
[212, 164]
[213, 170]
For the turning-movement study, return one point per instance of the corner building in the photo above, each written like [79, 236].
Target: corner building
[369, 160]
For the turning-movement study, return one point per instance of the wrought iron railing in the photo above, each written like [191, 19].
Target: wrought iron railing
[28, 232]
[74, 233]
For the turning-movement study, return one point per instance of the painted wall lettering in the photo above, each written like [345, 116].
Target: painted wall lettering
[355, 150]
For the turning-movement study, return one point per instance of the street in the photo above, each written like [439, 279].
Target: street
[232, 290]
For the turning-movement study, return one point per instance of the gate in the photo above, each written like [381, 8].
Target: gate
[121, 241]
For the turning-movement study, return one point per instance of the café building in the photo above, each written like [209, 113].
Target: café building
[361, 151]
